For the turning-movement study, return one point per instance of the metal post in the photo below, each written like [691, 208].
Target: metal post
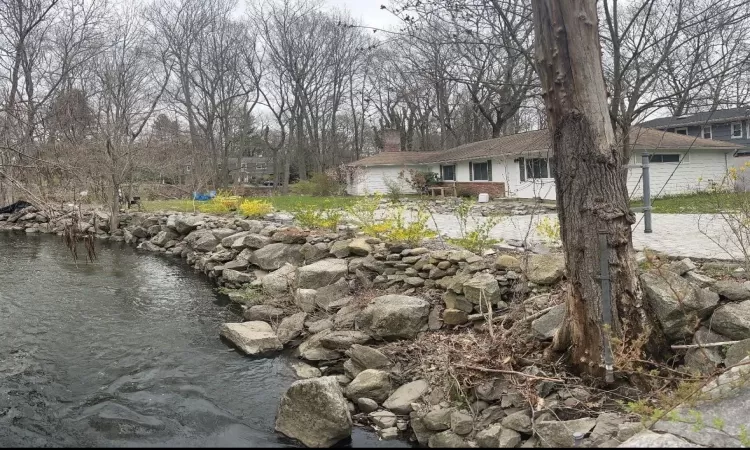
[577, 439]
[606, 305]
[646, 194]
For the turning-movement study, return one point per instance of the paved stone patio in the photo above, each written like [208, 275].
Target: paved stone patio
[679, 235]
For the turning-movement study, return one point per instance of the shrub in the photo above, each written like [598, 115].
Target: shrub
[227, 199]
[363, 215]
[324, 217]
[419, 180]
[549, 229]
[477, 240]
[255, 208]
[394, 189]
[319, 185]
[212, 207]
[398, 230]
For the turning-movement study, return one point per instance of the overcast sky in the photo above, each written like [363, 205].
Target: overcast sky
[368, 11]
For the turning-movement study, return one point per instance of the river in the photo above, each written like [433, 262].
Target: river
[125, 351]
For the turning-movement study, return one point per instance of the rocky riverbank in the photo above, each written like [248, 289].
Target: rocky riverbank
[438, 345]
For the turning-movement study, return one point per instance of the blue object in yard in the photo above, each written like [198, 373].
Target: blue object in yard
[204, 197]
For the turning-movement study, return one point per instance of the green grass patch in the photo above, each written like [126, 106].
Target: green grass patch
[280, 202]
[698, 203]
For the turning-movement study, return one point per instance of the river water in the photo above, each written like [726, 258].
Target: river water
[124, 352]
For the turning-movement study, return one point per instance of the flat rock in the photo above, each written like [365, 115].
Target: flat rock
[730, 290]
[321, 273]
[401, 399]
[359, 247]
[648, 439]
[546, 326]
[314, 412]
[508, 262]
[366, 405]
[438, 419]
[446, 439]
[484, 287]
[273, 256]
[560, 434]
[264, 313]
[737, 352]
[545, 269]
[394, 316]
[253, 338]
[279, 281]
[370, 383]
[313, 350]
[291, 327]
[518, 421]
[497, 436]
[383, 419]
[343, 340]
[732, 320]
[304, 371]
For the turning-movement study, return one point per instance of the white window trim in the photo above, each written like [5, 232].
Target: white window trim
[731, 130]
[448, 165]
[682, 128]
[473, 177]
[684, 158]
[710, 132]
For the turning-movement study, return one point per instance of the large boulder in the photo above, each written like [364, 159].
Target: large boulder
[273, 256]
[364, 357]
[186, 224]
[507, 262]
[649, 439]
[545, 269]
[676, 302]
[313, 350]
[546, 326]
[321, 273]
[359, 247]
[314, 412]
[251, 241]
[279, 281]
[482, 287]
[253, 338]
[394, 316]
[163, 237]
[731, 290]
[206, 243]
[732, 320]
[401, 399]
[370, 383]
[737, 352]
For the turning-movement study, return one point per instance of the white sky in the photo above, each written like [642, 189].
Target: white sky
[368, 11]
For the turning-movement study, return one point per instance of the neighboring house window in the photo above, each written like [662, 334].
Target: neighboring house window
[448, 173]
[736, 130]
[243, 166]
[187, 168]
[480, 171]
[260, 166]
[664, 158]
[681, 131]
[707, 132]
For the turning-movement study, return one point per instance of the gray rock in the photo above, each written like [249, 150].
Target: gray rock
[366, 405]
[327, 297]
[314, 252]
[402, 398]
[706, 436]
[319, 325]
[313, 350]
[560, 434]
[279, 281]
[420, 431]
[438, 419]
[484, 287]
[677, 304]
[462, 423]
[414, 281]
[206, 243]
[518, 421]
[507, 262]
[383, 419]
[498, 436]
[649, 439]
[546, 326]
[163, 237]
[682, 266]
[342, 340]
[394, 316]
[251, 241]
[699, 279]
[545, 269]
[359, 247]
[273, 256]
[263, 313]
[305, 299]
[446, 439]
[368, 358]
[344, 318]
[627, 430]
[455, 317]
[253, 338]
[456, 301]
[370, 383]
[314, 412]
[303, 370]
[340, 249]
[321, 273]
[221, 233]
[291, 327]
[186, 224]
[731, 290]
[733, 320]
[607, 426]
[388, 434]
[737, 352]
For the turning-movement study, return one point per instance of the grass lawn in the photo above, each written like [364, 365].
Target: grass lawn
[700, 203]
[280, 202]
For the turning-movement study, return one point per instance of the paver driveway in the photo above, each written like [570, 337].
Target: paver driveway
[679, 235]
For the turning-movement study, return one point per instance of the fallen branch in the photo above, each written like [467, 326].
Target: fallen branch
[713, 344]
[509, 372]
[481, 316]
[536, 315]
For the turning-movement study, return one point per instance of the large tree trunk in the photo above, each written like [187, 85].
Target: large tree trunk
[591, 188]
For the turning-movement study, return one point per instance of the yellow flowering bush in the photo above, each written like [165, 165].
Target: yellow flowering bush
[255, 208]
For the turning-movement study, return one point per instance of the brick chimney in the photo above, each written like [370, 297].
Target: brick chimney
[391, 140]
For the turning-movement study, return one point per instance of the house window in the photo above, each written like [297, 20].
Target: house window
[243, 166]
[260, 166]
[448, 173]
[736, 130]
[187, 168]
[537, 168]
[480, 171]
[681, 131]
[707, 132]
[664, 158]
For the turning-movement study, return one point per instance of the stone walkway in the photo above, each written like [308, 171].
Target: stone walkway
[678, 235]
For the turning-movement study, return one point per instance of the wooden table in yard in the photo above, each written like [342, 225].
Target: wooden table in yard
[434, 189]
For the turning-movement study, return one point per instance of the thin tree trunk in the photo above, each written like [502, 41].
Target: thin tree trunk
[591, 190]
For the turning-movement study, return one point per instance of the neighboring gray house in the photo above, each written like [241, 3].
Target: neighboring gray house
[730, 125]
[252, 169]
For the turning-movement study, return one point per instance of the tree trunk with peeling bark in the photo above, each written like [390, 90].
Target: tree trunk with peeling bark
[590, 178]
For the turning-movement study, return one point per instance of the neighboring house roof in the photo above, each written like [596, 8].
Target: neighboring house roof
[535, 142]
[701, 118]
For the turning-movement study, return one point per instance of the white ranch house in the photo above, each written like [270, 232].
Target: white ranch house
[519, 165]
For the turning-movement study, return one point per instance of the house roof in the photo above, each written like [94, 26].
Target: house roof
[701, 118]
[536, 142]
